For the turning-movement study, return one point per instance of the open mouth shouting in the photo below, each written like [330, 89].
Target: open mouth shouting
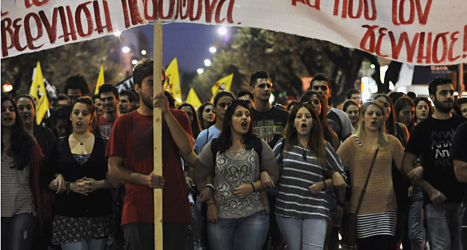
[79, 124]
[304, 126]
[245, 124]
[374, 123]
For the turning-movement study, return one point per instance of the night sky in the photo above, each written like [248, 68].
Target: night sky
[188, 42]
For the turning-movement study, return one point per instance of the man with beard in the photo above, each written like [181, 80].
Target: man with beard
[26, 106]
[442, 194]
[130, 153]
[109, 98]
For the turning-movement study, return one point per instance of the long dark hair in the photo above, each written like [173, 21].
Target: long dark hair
[402, 103]
[225, 137]
[94, 123]
[323, 116]
[200, 115]
[195, 128]
[316, 142]
[20, 141]
[390, 123]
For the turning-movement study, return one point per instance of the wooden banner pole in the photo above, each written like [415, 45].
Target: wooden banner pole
[157, 126]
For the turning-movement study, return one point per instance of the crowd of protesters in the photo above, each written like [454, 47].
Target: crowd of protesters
[238, 173]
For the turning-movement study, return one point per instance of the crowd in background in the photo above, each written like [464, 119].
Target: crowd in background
[239, 173]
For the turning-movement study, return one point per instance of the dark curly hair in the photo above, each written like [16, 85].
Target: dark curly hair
[20, 141]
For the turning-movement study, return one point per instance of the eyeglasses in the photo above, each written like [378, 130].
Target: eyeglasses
[323, 88]
[244, 103]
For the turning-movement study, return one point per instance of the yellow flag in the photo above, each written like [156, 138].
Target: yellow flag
[43, 104]
[222, 84]
[193, 99]
[172, 82]
[100, 80]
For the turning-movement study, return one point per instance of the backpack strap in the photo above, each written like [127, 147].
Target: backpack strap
[214, 149]
[258, 146]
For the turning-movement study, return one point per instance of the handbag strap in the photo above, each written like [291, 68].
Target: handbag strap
[366, 182]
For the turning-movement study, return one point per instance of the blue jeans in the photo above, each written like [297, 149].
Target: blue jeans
[305, 234]
[18, 231]
[92, 244]
[248, 233]
[416, 230]
[464, 226]
[444, 226]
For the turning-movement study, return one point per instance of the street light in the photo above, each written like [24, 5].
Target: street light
[200, 71]
[212, 50]
[207, 62]
[222, 31]
[134, 61]
[7, 87]
[143, 52]
[126, 49]
[117, 33]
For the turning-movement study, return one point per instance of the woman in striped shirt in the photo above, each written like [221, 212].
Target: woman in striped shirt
[377, 217]
[22, 198]
[306, 158]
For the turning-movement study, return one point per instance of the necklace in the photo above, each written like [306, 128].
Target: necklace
[81, 142]
[304, 151]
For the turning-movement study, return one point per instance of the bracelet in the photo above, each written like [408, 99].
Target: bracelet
[254, 189]
[210, 186]
[67, 186]
[324, 184]
[210, 203]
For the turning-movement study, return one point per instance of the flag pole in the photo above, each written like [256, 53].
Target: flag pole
[157, 129]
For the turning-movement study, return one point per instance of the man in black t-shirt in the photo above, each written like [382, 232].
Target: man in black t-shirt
[442, 192]
[268, 121]
[459, 157]
[268, 124]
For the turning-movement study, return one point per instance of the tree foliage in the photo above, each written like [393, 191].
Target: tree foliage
[59, 63]
[287, 58]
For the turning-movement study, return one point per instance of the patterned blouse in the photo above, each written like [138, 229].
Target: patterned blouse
[233, 169]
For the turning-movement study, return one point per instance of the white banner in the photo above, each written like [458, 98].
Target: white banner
[424, 32]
